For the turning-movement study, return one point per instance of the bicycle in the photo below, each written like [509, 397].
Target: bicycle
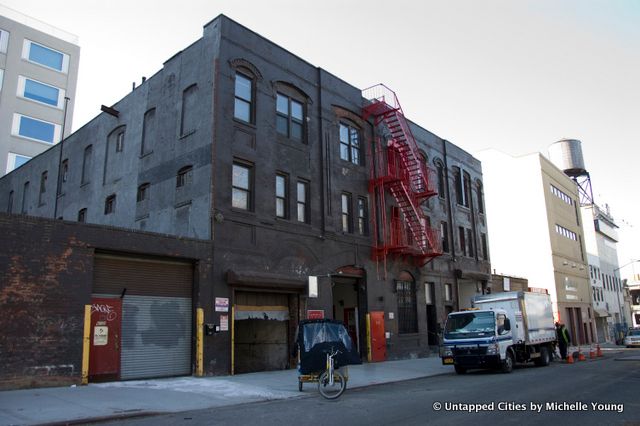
[331, 382]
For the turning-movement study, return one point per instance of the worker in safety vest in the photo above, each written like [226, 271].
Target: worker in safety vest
[563, 339]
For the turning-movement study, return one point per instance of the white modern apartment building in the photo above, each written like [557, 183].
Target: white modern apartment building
[536, 232]
[38, 76]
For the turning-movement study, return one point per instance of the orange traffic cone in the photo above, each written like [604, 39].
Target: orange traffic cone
[569, 358]
[581, 356]
[592, 352]
[598, 350]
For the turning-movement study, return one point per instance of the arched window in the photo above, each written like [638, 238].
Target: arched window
[350, 146]
[188, 121]
[148, 132]
[244, 104]
[441, 178]
[184, 176]
[480, 197]
[291, 112]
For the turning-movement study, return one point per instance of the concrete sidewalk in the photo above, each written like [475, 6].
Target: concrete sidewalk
[78, 404]
[130, 398]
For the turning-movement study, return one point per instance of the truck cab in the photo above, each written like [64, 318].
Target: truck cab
[477, 339]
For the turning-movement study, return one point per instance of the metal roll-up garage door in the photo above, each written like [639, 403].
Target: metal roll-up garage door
[156, 313]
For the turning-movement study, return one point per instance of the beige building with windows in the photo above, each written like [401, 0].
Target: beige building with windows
[38, 76]
[536, 232]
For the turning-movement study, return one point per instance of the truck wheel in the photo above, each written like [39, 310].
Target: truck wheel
[544, 359]
[507, 364]
[459, 369]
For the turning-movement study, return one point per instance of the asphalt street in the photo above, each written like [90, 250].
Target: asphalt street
[598, 392]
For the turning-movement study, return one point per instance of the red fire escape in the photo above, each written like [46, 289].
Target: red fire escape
[399, 168]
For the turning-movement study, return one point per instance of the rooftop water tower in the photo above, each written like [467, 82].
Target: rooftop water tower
[567, 155]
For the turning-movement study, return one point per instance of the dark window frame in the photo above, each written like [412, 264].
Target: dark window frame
[346, 212]
[304, 203]
[362, 211]
[351, 145]
[282, 198]
[87, 160]
[441, 180]
[184, 177]
[289, 118]
[188, 109]
[82, 215]
[149, 131]
[444, 230]
[248, 191]
[143, 192]
[110, 204]
[10, 202]
[407, 306]
[43, 187]
[238, 98]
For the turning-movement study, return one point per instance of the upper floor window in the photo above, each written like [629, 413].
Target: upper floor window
[566, 233]
[345, 206]
[243, 107]
[25, 198]
[485, 248]
[148, 131]
[363, 216]
[282, 199]
[349, 144]
[86, 164]
[120, 141]
[466, 188]
[45, 56]
[303, 201]
[64, 176]
[143, 192]
[242, 183]
[40, 92]
[184, 176]
[441, 180]
[188, 121]
[15, 160]
[289, 117]
[561, 194]
[10, 203]
[463, 240]
[38, 130]
[110, 204]
[444, 234]
[4, 41]
[82, 215]
[480, 197]
[43, 187]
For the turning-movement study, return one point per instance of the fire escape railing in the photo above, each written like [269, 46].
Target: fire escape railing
[399, 169]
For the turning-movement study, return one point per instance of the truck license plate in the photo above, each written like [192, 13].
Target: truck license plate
[447, 360]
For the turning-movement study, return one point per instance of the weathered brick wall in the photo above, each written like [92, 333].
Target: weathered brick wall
[45, 279]
[46, 275]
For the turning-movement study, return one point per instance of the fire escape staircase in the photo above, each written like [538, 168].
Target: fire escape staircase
[399, 167]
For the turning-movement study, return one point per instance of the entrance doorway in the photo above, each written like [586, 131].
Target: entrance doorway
[349, 304]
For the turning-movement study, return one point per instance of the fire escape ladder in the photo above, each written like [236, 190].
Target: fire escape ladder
[403, 172]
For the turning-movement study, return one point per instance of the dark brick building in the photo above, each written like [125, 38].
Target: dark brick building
[278, 165]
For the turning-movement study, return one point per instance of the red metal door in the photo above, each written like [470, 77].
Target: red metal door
[378, 339]
[104, 352]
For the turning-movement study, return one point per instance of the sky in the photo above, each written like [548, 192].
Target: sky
[512, 75]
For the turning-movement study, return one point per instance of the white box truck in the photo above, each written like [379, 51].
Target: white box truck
[500, 329]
